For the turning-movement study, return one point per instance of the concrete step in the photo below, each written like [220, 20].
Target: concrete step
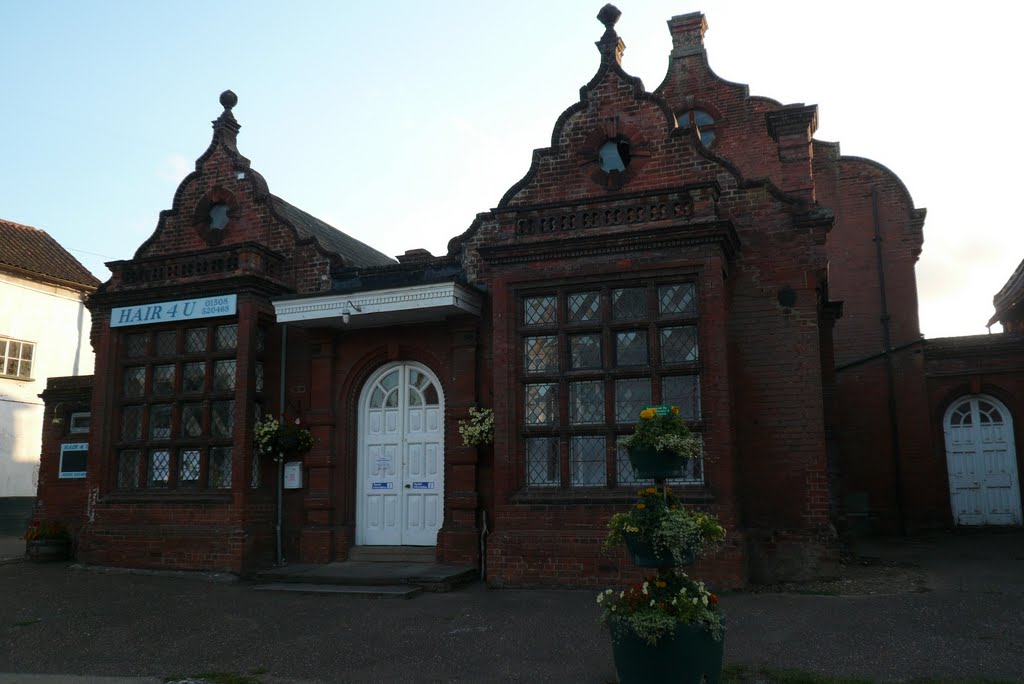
[426, 576]
[393, 554]
[379, 591]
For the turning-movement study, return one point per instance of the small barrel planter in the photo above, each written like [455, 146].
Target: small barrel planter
[647, 555]
[688, 655]
[649, 463]
[47, 550]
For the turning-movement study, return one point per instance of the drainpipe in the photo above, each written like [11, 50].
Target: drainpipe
[483, 547]
[280, 456]
[890, 373]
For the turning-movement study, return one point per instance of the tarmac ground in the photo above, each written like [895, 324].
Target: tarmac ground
[946, 606]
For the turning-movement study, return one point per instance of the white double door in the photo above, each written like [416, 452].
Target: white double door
[984, 484]
[401, 458]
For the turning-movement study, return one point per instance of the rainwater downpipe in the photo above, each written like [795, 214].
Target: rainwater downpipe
[280, 454]
[890, 374]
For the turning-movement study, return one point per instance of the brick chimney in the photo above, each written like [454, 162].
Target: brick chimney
[687, 34]
[792, 128]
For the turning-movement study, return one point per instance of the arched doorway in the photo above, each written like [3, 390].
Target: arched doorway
[981, 460]
[400, 469]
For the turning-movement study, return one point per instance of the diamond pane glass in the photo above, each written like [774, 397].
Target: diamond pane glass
[682, 391]
[220, 468]
[541, 404]
[539, 310]
[261, 340]
[226, 337]
[192, 419]
[542, 467]
[188, 467]
[629, 304]
[540, 354]
[128, 469]
[586, 403]
[674, 300]
[134, 381]
[679, 345]
[255, 473]
[584, 306]
[163, 380]
[693, 474]
[160, 421]
[193, 377]
[222, 418]
[195, 340]
[259, 376]
[159, 468]
[587, 461]
[131, 423]
[585, 351]
[631, 397]
[631, 348]
[135, 345]
[224, 376]
[166, 343]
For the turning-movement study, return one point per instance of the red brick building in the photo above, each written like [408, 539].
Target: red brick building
[692, 245]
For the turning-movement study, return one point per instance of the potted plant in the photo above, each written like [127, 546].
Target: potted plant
[661, 444]
[478, 429]
[667, 628]
[273, 438]
[47, 540]
[661, 532]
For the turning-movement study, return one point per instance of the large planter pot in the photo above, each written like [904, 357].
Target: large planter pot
[646, 555]
[47, 550]
[651, 464]
[688, 655]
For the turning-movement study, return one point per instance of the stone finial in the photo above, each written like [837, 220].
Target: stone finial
[228, 100]
[225, 127]
[610, 45]
[609, 16]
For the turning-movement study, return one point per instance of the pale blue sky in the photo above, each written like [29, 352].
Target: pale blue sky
[398, 121]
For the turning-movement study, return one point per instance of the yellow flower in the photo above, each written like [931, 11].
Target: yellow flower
[650, 490]
[661, 584]
[641, 505]
[675, 410]
[647, 414]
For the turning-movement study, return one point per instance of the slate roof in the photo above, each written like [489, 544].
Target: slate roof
[355, 253]
[1010, 296]
[28, 250]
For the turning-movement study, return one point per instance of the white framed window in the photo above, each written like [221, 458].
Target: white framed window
[79, 422]
[16, 358]
[73, 458]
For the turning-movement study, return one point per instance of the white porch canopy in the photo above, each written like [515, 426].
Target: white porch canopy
[377, 308]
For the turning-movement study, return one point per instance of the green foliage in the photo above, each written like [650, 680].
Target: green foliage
[478, 429]
[660, 519]
[667, 434]
[651, 609]
[271, 438]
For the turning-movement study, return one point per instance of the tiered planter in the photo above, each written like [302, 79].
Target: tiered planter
[688, 655]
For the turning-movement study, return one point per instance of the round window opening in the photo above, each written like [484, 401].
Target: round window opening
[703, 121]
[218, 216]
[614, 155]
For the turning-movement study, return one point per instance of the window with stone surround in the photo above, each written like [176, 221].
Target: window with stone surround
[176, 412]
[591, 358]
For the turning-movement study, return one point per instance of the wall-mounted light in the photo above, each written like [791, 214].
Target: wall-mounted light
[346, 315]
[57, 419]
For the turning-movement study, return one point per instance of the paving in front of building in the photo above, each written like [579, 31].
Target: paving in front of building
[959, 622]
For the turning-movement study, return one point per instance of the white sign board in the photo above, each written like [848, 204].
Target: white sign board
[293, 475]
[180, 310]
[72, 460]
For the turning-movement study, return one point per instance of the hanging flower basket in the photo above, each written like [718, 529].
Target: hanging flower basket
[272, 438]
[661, 444]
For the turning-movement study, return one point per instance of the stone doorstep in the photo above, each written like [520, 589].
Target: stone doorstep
[426, 576]
[378, 591]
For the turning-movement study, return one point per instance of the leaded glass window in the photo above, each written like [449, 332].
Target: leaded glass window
[195, 340]
[225, 337]
[222, 418]
[131, 423]
[193, 378]
[192, 420]
[220, 468]
[189, 463]
[259, 376]
[163, 379]
[134, 381]
[160, 421]
[585, 379]
[159, 468]
[128, 467]
[166, 343]
[540, 354]
[135, 345]
[224, 376]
